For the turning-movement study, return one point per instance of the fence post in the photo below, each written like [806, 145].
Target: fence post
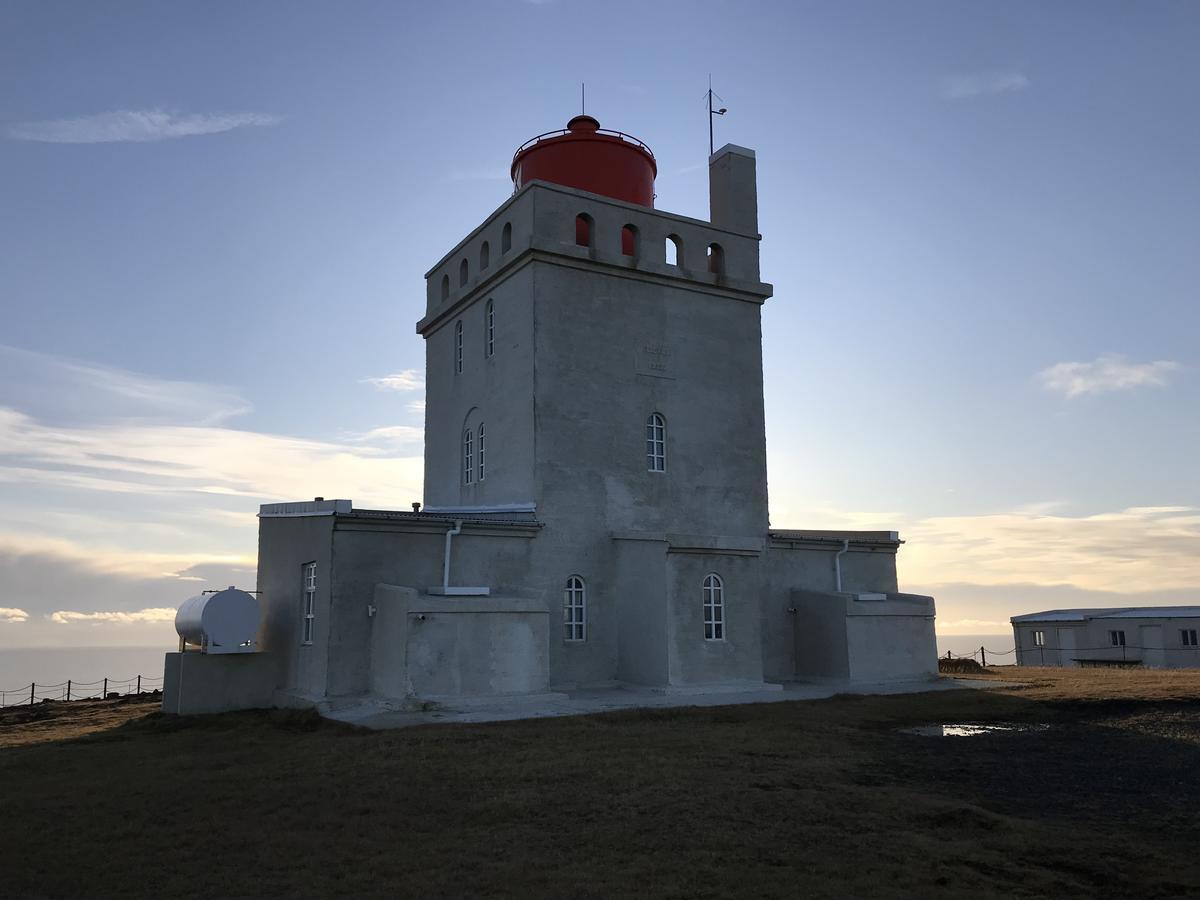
[104, 693]
[983, 656]
[139, 689]
[32, 685]
[68, 688]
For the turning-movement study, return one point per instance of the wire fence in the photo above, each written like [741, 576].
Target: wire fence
[102, 689]
[1108, 653]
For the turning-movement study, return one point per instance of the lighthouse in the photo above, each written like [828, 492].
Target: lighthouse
[595, 509]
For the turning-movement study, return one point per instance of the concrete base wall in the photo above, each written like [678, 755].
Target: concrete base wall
[838, 636]
[428, 647]
[199, 683]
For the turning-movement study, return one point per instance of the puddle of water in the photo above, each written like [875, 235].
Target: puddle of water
[966, 729]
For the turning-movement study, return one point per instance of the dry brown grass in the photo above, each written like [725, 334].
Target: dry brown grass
[1105, 685]
[55, 721]
[816, 799]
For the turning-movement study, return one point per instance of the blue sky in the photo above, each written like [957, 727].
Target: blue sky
[980, 219]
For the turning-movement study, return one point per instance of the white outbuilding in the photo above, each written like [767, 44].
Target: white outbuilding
[1156, 637]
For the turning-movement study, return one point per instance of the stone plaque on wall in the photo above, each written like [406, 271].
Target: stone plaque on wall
[655, 359]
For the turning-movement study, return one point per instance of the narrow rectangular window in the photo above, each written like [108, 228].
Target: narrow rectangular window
[468, 456]
[458, 347]
[1188, 637]
[1039, 638]
[491, 329]
[309, 571]
[482, 451]
[656, 443]
[575, 610]
[714, 608]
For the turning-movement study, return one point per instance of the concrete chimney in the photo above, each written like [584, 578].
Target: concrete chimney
[733, 190]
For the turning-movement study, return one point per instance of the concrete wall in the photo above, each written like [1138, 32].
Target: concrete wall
[792, 567]
[497, 391]
[202, 683]
[367, 553]
[639, 582]
[738, 656]
[284, 546]
[431, 647]
[837, 636]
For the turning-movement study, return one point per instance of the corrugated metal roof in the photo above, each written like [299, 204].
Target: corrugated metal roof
[1120, 612]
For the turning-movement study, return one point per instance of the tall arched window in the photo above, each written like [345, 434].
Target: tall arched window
[575, 610]
[482, 451]
[716, 259]
[656, 443]
[583, 230]
[489, 315]
[445, 286]
[463, 272]
[458, 347]
[468, 456]
[714, 608]
[673, 250]
[506, 238]
[485, 256]
[629, 240]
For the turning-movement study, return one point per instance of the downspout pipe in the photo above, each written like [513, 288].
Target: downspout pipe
[837, 563]
[457, 529]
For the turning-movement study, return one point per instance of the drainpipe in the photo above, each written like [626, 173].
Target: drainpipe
[457, 529]
[837, 565]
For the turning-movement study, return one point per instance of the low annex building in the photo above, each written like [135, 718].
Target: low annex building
[1156, 637]
[595, 508]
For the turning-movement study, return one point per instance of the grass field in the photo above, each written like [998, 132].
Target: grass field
[818, 798]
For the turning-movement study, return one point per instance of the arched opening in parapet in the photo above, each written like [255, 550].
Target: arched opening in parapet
[716, 259]
[445, 287]
[463, 272]
[629, 241]
[584, 230]
[485, 256]
[673, 250]
[506, 238]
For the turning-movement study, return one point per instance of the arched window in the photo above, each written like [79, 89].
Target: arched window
[463, 272]
[716, 259]
[458, 347]
[489, 315]
[575, 610]
[673, 250]
[468, 456]
[656, 443]
[629, 240]
[482, 451]
[485, 256]
[714, 608]
[583, 230]
[445, 286]
[506, 238]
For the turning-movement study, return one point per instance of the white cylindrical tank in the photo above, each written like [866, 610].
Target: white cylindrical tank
[220, 622]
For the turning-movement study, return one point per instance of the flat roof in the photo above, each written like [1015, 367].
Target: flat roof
[1118, 612]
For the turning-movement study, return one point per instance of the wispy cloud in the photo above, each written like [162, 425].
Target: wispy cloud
[1106, 373]
[1130, 550]
[63, 389]
[973, 626]
[136, 617]
[11, 615]
[408, 380]
[138, 125]
[980, 84]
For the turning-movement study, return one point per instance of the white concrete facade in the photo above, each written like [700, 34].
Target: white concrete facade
[595, 429]
[1155, 637]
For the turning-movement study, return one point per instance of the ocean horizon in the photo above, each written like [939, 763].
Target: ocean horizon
[53, 665]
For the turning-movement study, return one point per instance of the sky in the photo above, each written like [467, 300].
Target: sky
[981, 221]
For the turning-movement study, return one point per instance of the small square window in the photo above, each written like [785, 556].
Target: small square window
[1187, 637]
[1116, 638]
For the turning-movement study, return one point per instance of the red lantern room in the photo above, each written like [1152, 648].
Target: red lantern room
[589, 158]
